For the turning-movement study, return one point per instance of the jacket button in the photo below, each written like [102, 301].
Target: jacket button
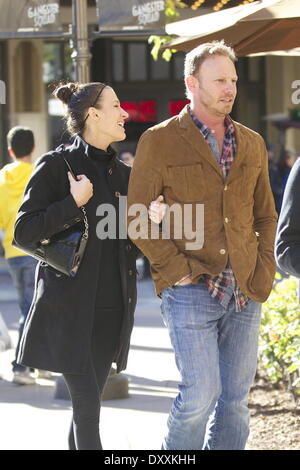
[129, 300]
[128, 247]
[130, 272]
[225, 187]
[110, 171]
[226, 220]
[222, 251]
[117, 194]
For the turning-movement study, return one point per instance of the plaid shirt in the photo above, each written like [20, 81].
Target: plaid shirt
[224, 285]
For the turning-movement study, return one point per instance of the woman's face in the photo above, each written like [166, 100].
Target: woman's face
[111, 117]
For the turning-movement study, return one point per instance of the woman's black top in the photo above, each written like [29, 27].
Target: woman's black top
[109, 293]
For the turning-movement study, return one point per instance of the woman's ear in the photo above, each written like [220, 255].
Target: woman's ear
[94, 113]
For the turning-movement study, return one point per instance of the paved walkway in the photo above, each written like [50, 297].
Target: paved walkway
[32, 418]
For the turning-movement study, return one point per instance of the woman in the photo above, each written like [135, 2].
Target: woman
[79, 326]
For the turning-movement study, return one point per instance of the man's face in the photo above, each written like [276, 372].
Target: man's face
[215, 86]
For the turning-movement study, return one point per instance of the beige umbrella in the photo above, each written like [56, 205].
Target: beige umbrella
[263, 26]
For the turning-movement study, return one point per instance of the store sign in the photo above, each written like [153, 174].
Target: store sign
[176, 106]
[131, 15]
[44, 14]
[19, 16]
[140, 111]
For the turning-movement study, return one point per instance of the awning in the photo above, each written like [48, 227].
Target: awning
[260, 27]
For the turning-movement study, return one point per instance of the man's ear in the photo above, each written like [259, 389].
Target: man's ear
[11, 153]
[191, 83]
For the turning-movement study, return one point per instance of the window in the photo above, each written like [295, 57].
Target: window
[133, 62]
[57, 62]
[160, 69]
[178, 64]
[57, 65]
[118, 62]
[137, 62]
[254, 69]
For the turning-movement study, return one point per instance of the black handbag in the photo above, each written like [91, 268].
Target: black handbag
[64, 251]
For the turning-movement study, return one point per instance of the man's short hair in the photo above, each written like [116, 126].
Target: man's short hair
[197, 56]
[21, 141]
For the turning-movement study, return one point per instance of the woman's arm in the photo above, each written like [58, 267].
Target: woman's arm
[47, 207]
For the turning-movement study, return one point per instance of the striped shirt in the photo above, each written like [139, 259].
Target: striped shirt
[223, 286]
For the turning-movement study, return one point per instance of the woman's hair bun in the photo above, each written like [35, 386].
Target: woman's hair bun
[65, 92]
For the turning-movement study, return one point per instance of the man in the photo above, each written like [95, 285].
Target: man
[288, 233]
[13, 179]
[212, 293]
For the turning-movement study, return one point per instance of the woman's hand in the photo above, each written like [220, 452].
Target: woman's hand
[81, 190]
[157, 210]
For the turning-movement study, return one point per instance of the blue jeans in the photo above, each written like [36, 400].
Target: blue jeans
[22, 269]
[216, 355]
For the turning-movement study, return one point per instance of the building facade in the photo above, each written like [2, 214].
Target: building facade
[150, 91]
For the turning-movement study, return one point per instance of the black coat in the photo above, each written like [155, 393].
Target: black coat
[287, 245]
[58, 328]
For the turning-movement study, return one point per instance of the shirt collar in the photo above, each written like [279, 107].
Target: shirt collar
[229, 127]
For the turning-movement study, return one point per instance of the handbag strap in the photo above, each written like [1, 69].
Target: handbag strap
[82, 208]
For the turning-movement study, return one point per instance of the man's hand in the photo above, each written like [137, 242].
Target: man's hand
[157, 210]
[81, 190]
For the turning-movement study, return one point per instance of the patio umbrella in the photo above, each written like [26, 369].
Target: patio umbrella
[263, 26]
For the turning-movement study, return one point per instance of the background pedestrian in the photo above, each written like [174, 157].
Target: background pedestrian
[13, 180]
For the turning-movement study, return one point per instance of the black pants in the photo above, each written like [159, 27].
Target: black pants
[86, 389]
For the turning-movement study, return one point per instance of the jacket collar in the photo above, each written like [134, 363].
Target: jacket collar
[79, 144]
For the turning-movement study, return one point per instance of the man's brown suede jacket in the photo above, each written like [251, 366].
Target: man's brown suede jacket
[174, 159]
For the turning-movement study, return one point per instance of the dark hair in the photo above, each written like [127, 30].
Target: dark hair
[78, 97]
[21, 141]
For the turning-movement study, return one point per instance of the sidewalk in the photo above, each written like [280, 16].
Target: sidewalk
[31, 418]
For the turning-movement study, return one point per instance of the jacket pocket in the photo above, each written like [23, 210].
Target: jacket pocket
[186, 183]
